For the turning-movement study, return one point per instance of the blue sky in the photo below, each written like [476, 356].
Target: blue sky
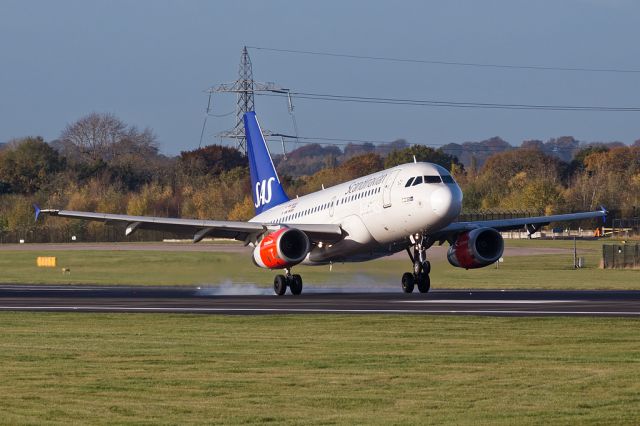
[149, 62]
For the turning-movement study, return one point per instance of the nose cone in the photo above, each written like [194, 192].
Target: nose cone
[446, 202]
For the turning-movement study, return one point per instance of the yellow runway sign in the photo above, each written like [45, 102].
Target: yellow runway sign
[46, 262]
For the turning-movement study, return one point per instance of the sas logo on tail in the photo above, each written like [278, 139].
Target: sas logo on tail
[263, 192]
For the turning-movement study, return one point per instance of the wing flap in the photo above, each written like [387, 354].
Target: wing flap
[198, 228]
[518, 223]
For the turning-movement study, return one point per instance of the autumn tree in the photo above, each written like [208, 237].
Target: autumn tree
[512, 179]
[421, 153]
[353, 168]
[243, 210]
[27, 165]
[106, 137]
[210, 160]
[154, 200]
[216, 197]
[610, 178]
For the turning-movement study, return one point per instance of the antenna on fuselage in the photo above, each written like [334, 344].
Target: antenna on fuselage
[414, 159]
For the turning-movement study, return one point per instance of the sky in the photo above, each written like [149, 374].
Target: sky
[150, 62]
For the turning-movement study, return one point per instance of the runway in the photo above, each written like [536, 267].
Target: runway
[251, 300]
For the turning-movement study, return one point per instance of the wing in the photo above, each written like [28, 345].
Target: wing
[199, 229]
[530, 224]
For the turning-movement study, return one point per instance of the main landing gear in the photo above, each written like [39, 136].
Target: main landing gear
[421, 267]
[281, 282]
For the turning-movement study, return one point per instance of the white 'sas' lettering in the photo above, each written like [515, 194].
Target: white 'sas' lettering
[263, 192]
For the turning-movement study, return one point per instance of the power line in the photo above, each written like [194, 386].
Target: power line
[450, 63]
[450, 104]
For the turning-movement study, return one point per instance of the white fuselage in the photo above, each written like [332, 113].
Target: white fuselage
[377, 212]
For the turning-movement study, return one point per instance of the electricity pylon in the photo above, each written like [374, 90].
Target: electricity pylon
[245, 87]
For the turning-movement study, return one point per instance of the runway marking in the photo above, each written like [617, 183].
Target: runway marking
[311, 310]
[492, 302]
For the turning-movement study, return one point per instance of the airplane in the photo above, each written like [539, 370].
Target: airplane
[408, 208]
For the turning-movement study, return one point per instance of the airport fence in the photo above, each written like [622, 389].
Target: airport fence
[44, 234]
[621, 256]
[625, 227]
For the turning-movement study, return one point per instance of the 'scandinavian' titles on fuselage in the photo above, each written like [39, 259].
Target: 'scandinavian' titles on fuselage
[377, 212]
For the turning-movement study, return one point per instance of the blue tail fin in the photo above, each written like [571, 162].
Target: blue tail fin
[265, 185]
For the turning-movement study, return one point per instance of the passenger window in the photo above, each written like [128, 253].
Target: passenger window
[417, 181]
[409, 182]
[432, 179]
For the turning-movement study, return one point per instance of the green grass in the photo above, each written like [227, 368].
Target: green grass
[149, 368]
[202, 268]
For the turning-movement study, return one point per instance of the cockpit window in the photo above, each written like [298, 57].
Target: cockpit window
[417, 181]
[409, 182]
[447, 179]
[432, 179]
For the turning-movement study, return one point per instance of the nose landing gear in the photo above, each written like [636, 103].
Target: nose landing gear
[421, 267]
[281, 282]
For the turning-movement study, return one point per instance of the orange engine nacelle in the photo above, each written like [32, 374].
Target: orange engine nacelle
[476, 249]
[282, 249]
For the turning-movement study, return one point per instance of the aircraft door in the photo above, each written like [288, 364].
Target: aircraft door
[332, 206]
[386, 192]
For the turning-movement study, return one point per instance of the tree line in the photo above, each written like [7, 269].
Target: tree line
[100, 163]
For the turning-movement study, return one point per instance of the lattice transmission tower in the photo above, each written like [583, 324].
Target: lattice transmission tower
[245, 88]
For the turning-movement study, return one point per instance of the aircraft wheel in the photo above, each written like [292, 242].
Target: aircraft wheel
[408, 282]
[296, 284]
[424, 282]
[280, 285]
[426, 267]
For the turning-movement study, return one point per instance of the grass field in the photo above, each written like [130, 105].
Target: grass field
[62, 368]
[149, 368]
[206, 268]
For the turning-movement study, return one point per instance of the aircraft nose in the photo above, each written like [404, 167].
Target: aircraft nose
[444, 204]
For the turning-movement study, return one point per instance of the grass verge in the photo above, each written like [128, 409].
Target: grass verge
[97, 368]
[206, 268]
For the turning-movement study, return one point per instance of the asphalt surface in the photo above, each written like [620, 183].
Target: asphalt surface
[250, 300]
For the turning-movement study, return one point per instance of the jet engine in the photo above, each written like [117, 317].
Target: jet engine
[283, 248]
[476, 249]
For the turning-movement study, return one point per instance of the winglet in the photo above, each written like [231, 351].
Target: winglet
[37, 209]
[604, 215]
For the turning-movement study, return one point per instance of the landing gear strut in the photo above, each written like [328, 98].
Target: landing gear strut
[421, 266]
[281, 282]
